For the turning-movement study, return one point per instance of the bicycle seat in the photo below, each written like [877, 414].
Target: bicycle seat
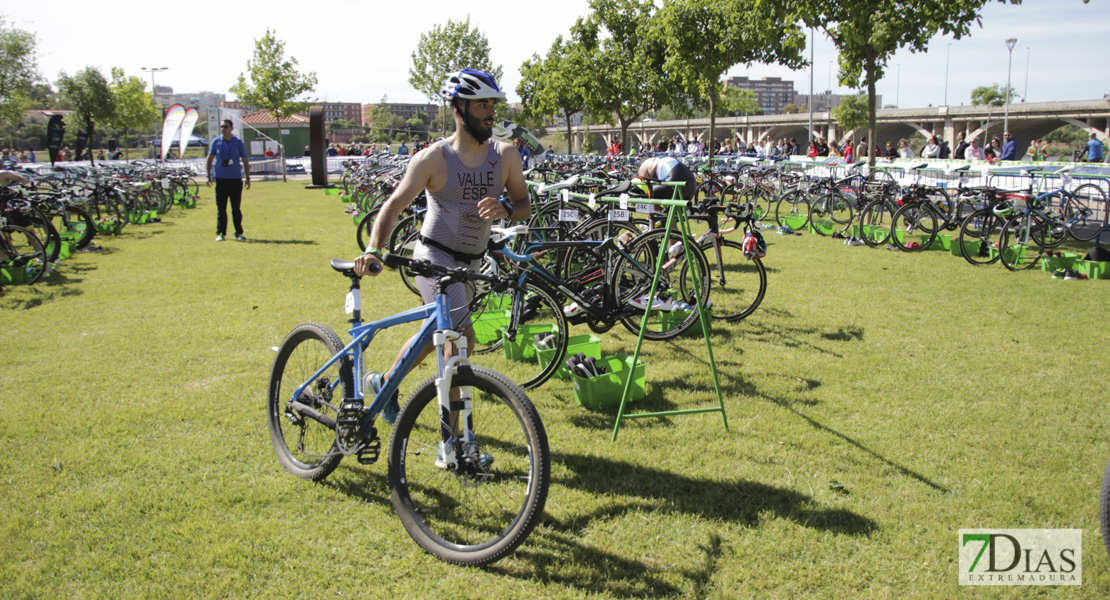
[346, 267]
[560, 185]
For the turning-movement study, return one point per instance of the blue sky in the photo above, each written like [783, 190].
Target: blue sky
[362, 50]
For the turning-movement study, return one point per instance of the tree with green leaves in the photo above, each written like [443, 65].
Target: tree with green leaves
[134, 106]
[275, 83]
[555, 85]
[445, 49]
[88, 93]
[991, 96]
[736, 102]
[705, 38]
[868, 32]
[851, 114]
[381, 122]
[18, 70]
[627, 61]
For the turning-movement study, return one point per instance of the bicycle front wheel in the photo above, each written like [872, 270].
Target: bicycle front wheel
[737, 284]
[914, 224]
[975, 236]
[1018, 247]
[306, 446]
[874, 223]
[482, 510]
[792, 210]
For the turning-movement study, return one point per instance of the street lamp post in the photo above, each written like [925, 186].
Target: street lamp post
[153, 93]
[1010, 43]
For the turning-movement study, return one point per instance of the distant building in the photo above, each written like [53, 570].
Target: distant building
[826, 101]
[772, 93]
[238, 105]
[405, 111]
[204, 102]
[347, 111]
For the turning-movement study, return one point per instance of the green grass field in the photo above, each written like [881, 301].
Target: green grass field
[877, 403]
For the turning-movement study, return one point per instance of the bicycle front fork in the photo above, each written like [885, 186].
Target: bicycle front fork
[455, 408]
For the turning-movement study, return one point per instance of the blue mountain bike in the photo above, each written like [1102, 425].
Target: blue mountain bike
[468, 459]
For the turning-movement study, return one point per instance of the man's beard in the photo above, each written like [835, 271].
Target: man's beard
[475, 128]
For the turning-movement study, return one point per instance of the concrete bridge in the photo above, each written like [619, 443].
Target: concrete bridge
[1028, 121]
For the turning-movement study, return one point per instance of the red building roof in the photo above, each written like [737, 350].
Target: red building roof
[263, 117]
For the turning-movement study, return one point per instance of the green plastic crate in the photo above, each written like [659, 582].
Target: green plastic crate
[331, 191]
[498, 301]
[1066, 261]
[946, 242]
[488, 325]
[795, 222]
[588, 344]
[667, 320]
[823, 228]
[605, 391]
[13, 276]
[1009, 253]
[1094, 269]
[523, 347]
[65, 249]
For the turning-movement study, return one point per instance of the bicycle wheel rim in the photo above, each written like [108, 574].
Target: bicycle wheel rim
[478, 513]
[737, 284]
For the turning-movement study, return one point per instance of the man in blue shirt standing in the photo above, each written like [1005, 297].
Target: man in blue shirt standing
[1009, 148]
[229, 150]
[1094, 149]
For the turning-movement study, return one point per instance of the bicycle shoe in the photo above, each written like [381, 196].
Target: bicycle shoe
[591, 364]
[389, 413]
[1059, 274]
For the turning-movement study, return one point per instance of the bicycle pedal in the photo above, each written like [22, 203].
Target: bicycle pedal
[370, 453]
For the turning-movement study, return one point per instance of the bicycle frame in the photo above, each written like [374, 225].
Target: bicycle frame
[530, 266]
[436, 328]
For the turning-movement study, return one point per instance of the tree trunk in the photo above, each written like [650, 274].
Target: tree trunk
[570, 141]
[281, 150]
[871, 141]
[712, 124]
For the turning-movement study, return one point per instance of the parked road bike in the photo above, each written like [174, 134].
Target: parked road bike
[469, 467]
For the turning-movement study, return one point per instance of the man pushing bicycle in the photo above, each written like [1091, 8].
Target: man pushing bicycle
[464, 176]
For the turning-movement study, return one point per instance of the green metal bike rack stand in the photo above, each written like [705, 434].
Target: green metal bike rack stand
[676, 213]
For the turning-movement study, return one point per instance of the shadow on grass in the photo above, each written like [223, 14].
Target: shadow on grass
[300, 242]
[636, 488]
[53, 286]
[733, 381]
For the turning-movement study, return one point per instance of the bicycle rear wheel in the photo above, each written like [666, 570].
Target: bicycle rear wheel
[737, 283]
[632, 284]
[539, 312]
[24, 252]
[486, 507]
[1088, 209]
[306, 447]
